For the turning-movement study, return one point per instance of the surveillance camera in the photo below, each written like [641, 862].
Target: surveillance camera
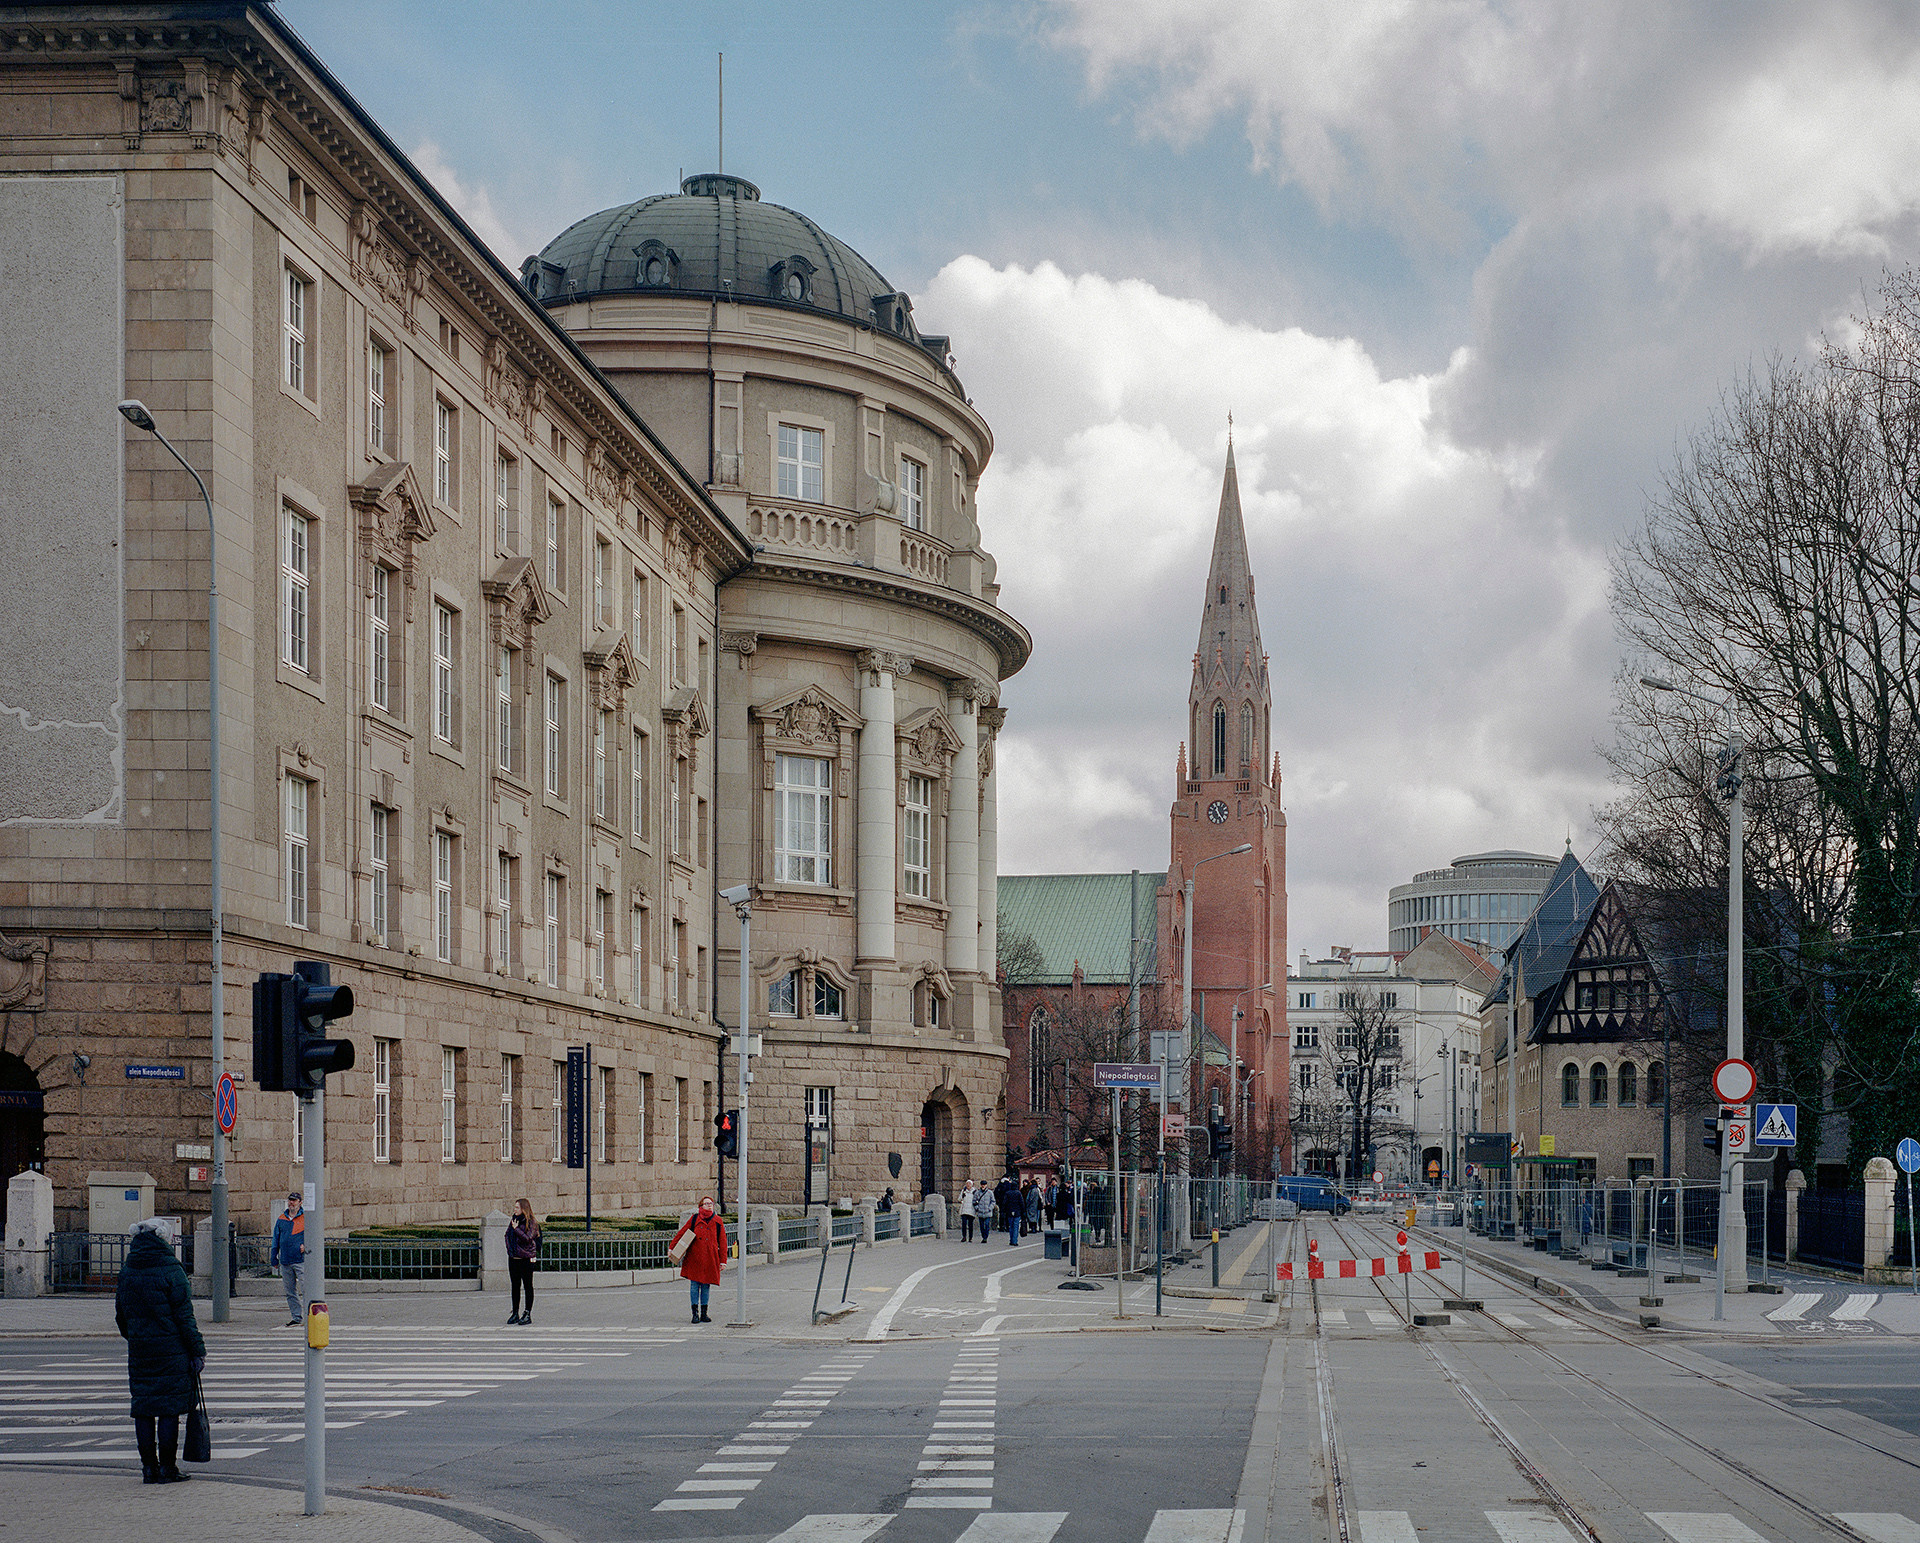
[739, 894]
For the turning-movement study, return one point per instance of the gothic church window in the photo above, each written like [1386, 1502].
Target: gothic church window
[1219, 739]
[1246, 734]
[1039, 1058]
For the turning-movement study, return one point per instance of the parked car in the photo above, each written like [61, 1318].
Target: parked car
[1311, 1192]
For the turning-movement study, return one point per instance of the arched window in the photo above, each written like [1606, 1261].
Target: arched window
[1246, 734]
[1597, 1086]
[1223, 594]
[1039, 1060]
[1219, 739]
[1629, 1085]
[1656, 1082]
[1569, 1086]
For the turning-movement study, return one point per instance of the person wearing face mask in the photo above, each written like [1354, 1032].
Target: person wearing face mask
[705, 1255]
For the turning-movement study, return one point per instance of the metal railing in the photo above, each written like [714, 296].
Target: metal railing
[845, 1228]
[886, 1224]
[85, 1261]
[919, 1224]
[796, 1232]
[405, 1258]
[605, 1251]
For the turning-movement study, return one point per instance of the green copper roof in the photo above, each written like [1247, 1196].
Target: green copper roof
[1084, 917]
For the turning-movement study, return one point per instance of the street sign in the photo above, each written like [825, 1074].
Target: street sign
[1377, 1175]
[1486, 1147]
[1739, 1129]
[1776, 1125]
[1519, 1146]
[1907, 1155]
[226, 1104]
[1174, 1126]
[144, 1072]
[1125, 1074]
[1546, 1146]
[1734, 1082]
[576, 1106]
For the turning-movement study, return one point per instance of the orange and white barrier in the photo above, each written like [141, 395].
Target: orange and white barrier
[1355, 1269]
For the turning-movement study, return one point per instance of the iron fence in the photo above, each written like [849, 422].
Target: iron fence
[85, 1261]
[1833, 1228]
[919, 1224]
[406, 1259]
[796, 1232]
[844, 1229]
[886, 1224]
[605, 1251]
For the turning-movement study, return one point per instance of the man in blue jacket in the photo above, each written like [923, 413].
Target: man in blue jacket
[289, 1249]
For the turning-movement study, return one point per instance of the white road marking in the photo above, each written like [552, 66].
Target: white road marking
[992, 1292]
[1794, 1307]
[1387, 1527]
[735, 1468]
[1336, 1316]
[956, 1465]
[883, 1320]
[1512, 1321]
[949, 1502]
[832, 1529]
[714, 1486]
[1196, 1527]
[1703, 1527]
[967, 1483]
[988, 1327]
[1857, 1305]
[1881, 1526]
[699, 1503]
[1528, 1527]
[1383, 1320]
[1014, 1527]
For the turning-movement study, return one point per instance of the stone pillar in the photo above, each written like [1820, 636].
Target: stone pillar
[963, 831]
[938, 1205]
[1796, 1186]
[1879, 1213]
[991, 718]
[822, 1217]
[769, 1220]
[493, 1251]
[203, 1257]
[875, 863]
[29, 1226]
[865, 1208]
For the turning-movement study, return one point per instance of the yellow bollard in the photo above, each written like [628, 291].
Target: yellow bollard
[317, 1325]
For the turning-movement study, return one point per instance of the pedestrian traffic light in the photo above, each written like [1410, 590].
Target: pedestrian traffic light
[1711, 1141]
[291, 1053]
[726, 1133]
[1219, 1140]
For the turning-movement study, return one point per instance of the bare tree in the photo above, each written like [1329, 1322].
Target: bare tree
[1778, 569]
[1367, 1059]
[1018, 956]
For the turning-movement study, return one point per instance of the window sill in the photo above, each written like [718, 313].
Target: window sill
[512, 781]
[451, 511]
[556, 803]
[448, 752]
[311, 405]
[300, 680]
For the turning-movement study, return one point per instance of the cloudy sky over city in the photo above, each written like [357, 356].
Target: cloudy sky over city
[1465, 275]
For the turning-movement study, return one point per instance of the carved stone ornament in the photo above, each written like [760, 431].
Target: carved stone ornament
[927, 739]
[395, 517]
[507, 388]
[163, 106]
[23, 975]
[688, 722]
[516, 603]
[679, 553]
[603, 481]
[741, 643]
[808, 721]
[379, 264]
[872, 659]
[610, 671]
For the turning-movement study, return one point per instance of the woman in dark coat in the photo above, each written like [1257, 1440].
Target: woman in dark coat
[705, 1256]
[154, 1309]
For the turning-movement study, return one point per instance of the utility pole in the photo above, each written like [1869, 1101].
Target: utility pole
[740, 897]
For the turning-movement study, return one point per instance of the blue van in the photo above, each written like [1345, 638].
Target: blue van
[1311, 1192]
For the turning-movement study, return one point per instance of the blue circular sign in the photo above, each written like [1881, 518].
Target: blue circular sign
[1907, 1155]
[226, 1104]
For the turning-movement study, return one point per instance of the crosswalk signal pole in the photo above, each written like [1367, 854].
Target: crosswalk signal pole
[740, 897]
[314, 1129]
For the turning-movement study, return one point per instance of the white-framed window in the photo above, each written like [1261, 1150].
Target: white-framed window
[556, 708]
[678, 643]
[802, 819]
[380, 638]
[1305, 999]
[919, 837]
[445, 696]
[603, 583]
[504, 877]
[294, 328]
[382, 1100]
[675, 839]
[640, 639]
[913, 494]
[556, 532]
[1306, 1078]
[449, 1104]
[602, 731]
[377, 857]
[296, 573]
[379, 361]
[559, 1111]
[602, 936]
[443, 896]
[802, 463]
[446, 444]
[1306, 1036]
[299, 795]
[829, 1001]
[509, 1092]
[677, 965]
[819, 1108]
[602, 1077]
[503, 707]
[680, 1119]
[553, 929]
[504, 476]
[639, 940]
[641, 752]
[783, 996]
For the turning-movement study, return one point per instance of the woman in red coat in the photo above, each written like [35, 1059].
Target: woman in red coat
[705, 1255]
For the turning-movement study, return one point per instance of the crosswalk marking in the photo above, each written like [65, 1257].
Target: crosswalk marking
[832, 1529]
[1703, 1527]
[1881, 1526]
[1014, 1527]
[1528, 1527]
[1387, 1527]
[1511, 1320]
[1794, 1307]
[1381, 1319]
[1336, 1316]
[949, 1502]
[1197, 1527]
[1857, 1305]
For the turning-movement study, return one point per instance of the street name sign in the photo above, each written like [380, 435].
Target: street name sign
[576, 1106]
[1734, 1082]
[1776, 1125]
[143, 1072]
[1907, 1155]
[1126, 1074]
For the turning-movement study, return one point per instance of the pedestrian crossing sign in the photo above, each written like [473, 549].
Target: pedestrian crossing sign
[1776, 1125]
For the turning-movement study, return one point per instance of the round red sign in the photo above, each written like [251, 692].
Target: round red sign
[1734, 1082]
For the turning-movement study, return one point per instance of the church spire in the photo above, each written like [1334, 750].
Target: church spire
[1230, 702]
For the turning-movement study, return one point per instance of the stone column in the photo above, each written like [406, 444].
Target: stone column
[493, 1251]
[874, 866]
[1796, 1186]
[29, 1226]
[1879, 1213]
[769, 1220]
[963, 830]
[937, 1204]
[991, 718]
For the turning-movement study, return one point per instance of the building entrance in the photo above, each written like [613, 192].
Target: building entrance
[23, 1142]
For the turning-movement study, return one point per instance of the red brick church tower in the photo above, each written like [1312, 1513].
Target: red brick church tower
[1227, 796]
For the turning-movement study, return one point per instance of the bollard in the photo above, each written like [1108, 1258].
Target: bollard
[1216, 1256]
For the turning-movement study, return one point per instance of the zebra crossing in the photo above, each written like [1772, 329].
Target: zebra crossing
[956, 1464]
[1019, 1527]
[73, 1408]
[1812, 1311]
[1379, 1318]
[1541, 1526]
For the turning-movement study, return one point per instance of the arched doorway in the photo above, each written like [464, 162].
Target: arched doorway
[23, 1140]
[943, 1143]
[932, 1117]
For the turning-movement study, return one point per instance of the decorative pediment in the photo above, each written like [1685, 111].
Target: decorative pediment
[395, 517]
[508, 389]
[610, 671]
[937, 979]
[688, 722]
[516, 602]
[928, 740]
[810, 717]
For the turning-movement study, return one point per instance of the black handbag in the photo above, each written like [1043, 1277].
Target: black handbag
[198, 1443]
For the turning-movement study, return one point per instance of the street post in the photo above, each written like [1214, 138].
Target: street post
[740, 897]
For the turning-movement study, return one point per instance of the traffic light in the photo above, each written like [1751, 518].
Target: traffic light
[726, 1133]
[1715, 1124]
[1219, 1140]
[290, 1014]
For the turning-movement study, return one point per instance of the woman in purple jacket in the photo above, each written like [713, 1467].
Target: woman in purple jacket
[523, 1250]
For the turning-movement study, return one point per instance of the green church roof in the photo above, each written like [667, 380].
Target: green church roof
[1084, 917]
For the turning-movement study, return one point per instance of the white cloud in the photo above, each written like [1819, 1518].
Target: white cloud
[474, 204]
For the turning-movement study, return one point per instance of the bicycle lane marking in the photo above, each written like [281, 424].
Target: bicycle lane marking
[883, 1320]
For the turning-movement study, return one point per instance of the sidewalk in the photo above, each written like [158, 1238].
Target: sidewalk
[59, 1505]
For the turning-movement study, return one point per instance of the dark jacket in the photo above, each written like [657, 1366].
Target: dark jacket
[523, 1239]
[289, 1240]
[1006, 1195]
[154, 1309]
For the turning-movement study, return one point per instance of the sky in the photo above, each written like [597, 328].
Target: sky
[1466, 275]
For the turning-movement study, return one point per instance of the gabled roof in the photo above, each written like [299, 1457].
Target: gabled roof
[1546, 942]
[1439, 957]
[1084, 917]
[1608, 941]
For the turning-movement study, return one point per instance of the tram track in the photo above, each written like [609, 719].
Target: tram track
[1550, 1494]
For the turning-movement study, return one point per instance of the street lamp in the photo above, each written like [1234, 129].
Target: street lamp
[1733, 1216]
[1186, 966]
[1233, 1061]
[740, 897]
[135, 412]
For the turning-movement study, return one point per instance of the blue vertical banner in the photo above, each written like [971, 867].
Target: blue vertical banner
[576, 1106]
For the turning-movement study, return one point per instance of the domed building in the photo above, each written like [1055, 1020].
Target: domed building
[853, 698]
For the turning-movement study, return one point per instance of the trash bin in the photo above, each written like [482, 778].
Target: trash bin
[1056, 1242]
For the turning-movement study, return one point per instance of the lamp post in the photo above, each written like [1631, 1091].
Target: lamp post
[1733, 1214]
[1186, 1012]
[740, 897]
[135, 412]
[1233, 1065]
